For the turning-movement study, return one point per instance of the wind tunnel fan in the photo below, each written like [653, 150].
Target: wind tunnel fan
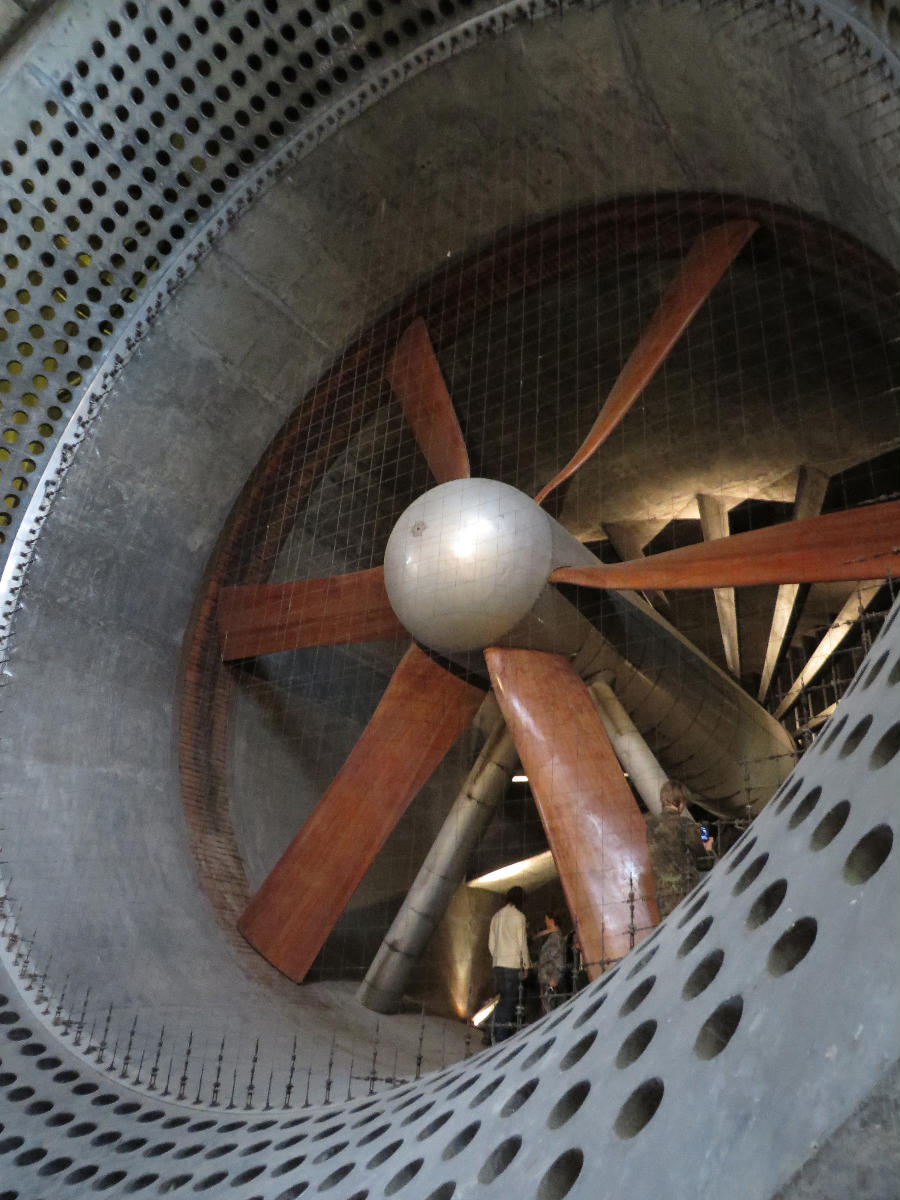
[467, 572]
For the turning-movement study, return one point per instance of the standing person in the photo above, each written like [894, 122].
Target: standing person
[508, 944]
[676, 847]
[551, 962]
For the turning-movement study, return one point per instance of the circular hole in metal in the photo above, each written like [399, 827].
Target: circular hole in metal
[639, 1108]
[60, 1118]
[106, 1138]
[110, 1180]
[433, 1126]
[298, 1189]
[210, 1181]
[868, 855]
[289, 1165]
[855, 736]
[568, 1104]
[828, 741]
[417, 1113]
[638, 996]
[499, 1160]
[830, 826]
[560, 1177]
[158, 1148]
[586, 1015]
[373, 1134]
[635, 1044]
[459, 1143]
[81, 1129]
[518, 1098]
[383, 1155]
[457, 1091]
[335, 1177]
[641, 963]
[130, 1145]
[80, 1174]
[780, 805]
[402, 1178]
[875, 670]
[141, 1182]
[804, 808]
[537, 1054]
[703, 975]
[330, 1151]
[793, 946]
[486, 1092]
[767, 904]
[693, 910]
[221, 1150]
[55, 1166]
[700, 930]
[719, 1028]
[886, 748]
[28, 1157]
[507, 1059]
[750, 874]
[577, 1052]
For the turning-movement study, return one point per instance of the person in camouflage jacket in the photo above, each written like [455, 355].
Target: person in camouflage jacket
[676, 848]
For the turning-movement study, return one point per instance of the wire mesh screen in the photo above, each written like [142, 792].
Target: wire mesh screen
[784, 375]
[531, 201]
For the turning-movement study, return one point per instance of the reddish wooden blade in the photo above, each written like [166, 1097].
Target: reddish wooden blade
[593, 824]
[705, 264]
[265, 618]
[861, 543]
[416, 377]
[422, 712]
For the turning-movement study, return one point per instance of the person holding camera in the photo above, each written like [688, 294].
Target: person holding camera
[677, 845]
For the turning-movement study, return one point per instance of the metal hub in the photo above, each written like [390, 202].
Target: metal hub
[466, 562]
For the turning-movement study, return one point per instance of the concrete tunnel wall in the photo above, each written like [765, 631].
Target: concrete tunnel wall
[670, 1058]
[94, 664]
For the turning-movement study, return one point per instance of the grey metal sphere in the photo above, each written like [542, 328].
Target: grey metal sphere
[466, 562]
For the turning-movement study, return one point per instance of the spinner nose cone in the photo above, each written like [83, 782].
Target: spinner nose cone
[466, 562]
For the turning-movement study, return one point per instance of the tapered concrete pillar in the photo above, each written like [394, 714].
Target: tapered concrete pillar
[636, 757]
[426, 902]
[714, 523]
[857, 603]
[811, 487]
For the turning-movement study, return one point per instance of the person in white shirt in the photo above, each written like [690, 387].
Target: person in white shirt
[508, 944]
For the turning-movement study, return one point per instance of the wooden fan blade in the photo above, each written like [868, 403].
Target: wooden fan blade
[593, 824]
[265, 618]
[416, 377]
[861, 543]
[705, 264]
[422, 712]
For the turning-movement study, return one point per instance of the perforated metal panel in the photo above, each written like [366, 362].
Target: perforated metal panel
[121, 168]
[781, 966]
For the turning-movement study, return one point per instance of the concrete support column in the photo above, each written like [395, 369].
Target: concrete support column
[628, 539]
[859, 600]
[631, 750]
[714, 523]
[811, 487]
[426, 902]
